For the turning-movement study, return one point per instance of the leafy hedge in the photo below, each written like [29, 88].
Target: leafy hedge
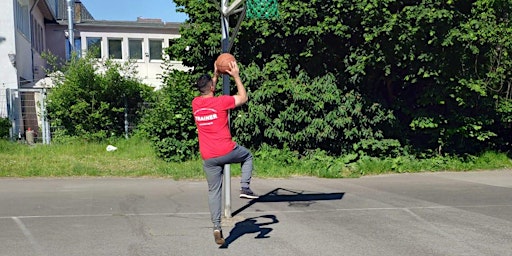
[305, 114]
[168, 122]
[93, 98]
[442, 67]
[5, 125]
[299, 113]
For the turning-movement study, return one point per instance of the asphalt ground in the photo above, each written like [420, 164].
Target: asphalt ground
[463, 213]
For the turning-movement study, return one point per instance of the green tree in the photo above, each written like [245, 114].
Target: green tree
[435, 64]
[92, 98]
[305, 114]
[169, 123]
[442, 67]
[294, 55]
[5, 125]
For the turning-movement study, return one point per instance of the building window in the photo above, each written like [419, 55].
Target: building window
[37, 36]
[115, 50]
[94, 46]
[155, 49]
[135, 49]
[77, 50]
[40, 39]
[22, 18]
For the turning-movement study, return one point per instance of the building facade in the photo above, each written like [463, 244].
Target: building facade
[31, 27]
[142, 41]
[22, 41]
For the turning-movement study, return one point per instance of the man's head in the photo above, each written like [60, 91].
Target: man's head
[205, 84]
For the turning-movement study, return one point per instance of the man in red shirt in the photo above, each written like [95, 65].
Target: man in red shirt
[211, 114]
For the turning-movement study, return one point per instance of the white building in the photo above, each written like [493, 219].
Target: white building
[22, 40]
[30, 27]
[142, 41]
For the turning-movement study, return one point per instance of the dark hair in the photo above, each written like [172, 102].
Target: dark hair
[203, 82]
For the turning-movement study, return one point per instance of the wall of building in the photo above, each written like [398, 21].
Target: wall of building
[28, 27]
[38, 45]
[8, 77]
[148, 69]
[23, 57]
[56, 40]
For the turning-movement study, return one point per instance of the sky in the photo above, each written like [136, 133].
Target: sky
[129, 10]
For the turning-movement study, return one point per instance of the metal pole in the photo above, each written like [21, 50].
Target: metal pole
[10, 109]
[71, 19]
[126, 123]
[43, 115]
[46, 124]
[226, 91]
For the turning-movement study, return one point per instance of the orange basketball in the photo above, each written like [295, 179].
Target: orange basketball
[223, 61]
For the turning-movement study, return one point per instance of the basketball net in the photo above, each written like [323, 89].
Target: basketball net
[262, 9]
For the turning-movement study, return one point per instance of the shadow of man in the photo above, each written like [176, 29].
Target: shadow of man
[249, 226]
[292, 197]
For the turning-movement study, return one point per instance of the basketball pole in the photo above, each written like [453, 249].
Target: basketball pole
[226, 91]
[226, 11]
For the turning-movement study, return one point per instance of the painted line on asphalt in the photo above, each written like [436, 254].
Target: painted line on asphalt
[104, 215]
[35, 245]
[169, 214]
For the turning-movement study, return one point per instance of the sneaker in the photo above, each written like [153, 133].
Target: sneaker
[217, 235]
[247, 193]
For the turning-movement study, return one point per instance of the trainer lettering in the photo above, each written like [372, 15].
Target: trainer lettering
[206, 118]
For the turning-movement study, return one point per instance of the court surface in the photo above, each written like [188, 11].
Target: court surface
[466, 213]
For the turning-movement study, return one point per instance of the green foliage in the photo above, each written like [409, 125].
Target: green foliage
[91, 99]
[135, 158]
[200, 35]
[305, 114]
[169, 122]
[272, 162]
[484, 83]
[411, 164]
[442, 67]
[5, 125]
[439, 62]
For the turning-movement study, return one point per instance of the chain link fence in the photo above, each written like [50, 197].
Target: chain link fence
[26, 110]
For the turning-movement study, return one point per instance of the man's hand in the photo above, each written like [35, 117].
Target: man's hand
[233, 69]
[241, 96]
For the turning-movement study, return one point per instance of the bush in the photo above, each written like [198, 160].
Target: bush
[169, 122]
[298, 113]
[307, 114]
[93, 104]
[5, 125]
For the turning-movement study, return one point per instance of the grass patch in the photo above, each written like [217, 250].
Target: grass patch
[133, 158]
[486, 161]
[136, 158]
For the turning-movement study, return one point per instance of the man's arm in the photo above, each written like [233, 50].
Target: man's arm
[241, 96]
[215, 74]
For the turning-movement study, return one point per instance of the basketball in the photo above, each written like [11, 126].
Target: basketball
[223, 61]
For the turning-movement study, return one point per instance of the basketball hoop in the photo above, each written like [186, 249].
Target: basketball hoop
[262, 9]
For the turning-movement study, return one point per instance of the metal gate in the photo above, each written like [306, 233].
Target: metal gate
[26, 109]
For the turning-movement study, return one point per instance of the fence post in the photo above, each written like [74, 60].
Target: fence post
[44, 119]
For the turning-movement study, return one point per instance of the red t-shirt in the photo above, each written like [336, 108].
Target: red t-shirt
[211, 117]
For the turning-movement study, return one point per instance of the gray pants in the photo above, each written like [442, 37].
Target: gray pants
[213, 168]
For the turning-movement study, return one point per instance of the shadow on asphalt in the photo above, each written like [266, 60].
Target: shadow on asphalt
[291, 196]
[248, 226]
[251, 225]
